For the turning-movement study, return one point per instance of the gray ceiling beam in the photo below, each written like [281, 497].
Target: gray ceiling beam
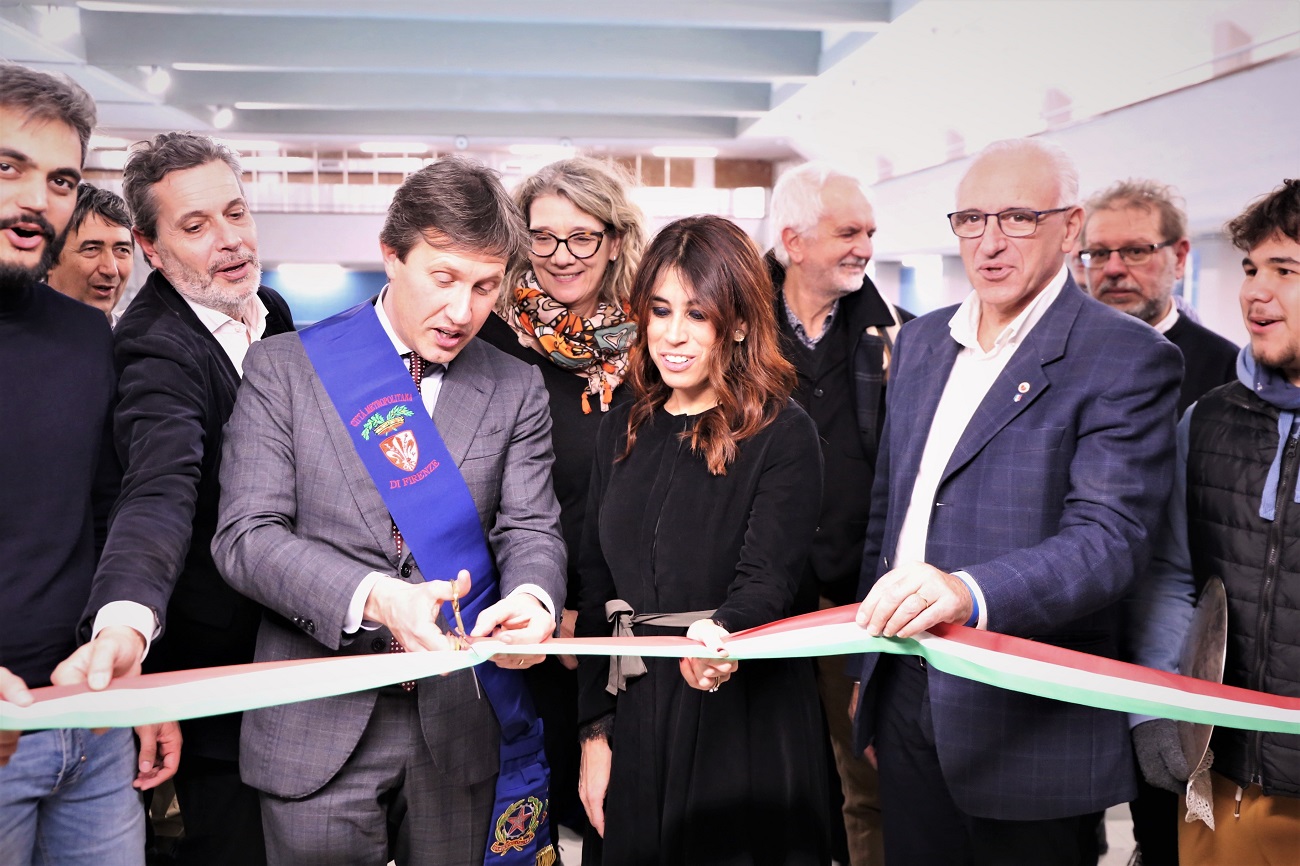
[128, 39]
[729, 14]
[444, 124]
[423, 92]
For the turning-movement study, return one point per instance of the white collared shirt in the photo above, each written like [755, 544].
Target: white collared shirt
[234, 337]
[430, 388]
[1168, 321]
[972, 374]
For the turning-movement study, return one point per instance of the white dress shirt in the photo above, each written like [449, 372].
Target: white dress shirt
[1168, 321]
[972, 374]
[234, 338]
[430, 388]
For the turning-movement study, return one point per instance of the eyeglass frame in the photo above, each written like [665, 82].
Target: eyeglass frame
[600, 239]
[984, 225]
[1103, 256]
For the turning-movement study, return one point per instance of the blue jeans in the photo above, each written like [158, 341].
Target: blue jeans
[66, 798]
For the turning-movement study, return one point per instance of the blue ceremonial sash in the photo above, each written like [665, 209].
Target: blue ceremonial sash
[429, 501]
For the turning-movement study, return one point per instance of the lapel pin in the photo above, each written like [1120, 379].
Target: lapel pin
[1023, 388]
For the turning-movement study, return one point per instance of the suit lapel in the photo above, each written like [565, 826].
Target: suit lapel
[1025, 376]
[356, 477]
[172, 299]
[463, 400]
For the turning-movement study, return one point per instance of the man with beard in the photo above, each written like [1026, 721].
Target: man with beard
[98, 252]
[838, 332]
[179, 350]
[65, 793]
[1134, 250]
[1234, 514]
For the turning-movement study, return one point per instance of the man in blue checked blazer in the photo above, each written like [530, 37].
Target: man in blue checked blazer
[1026, 455]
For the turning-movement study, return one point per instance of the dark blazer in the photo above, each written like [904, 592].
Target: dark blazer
[302, 524]
[176, 389]
[1050, 503]
[1209, 360]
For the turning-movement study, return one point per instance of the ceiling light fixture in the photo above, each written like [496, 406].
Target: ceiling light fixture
[223, 117]
[248, 145]
[556, 151]
[405, 148]
[684, 151]
[58, 23]
[108, 142]
[157, 81]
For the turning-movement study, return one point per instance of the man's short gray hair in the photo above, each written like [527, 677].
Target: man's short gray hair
[460, 200]
[797, 201]
[1145, 195]
[151, 161]
[1067, 175]
[45, 97]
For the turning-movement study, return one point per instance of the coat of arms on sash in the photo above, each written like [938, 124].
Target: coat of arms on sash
[401, 449]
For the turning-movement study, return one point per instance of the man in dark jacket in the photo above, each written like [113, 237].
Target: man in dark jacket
[838, 332]
[65, 794]
[1234, 515]
[1134, 251]
[179, 351]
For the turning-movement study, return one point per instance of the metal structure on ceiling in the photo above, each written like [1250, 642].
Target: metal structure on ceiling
[447, 73]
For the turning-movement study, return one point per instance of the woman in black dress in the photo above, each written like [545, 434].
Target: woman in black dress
[703, 503]
[564, 310]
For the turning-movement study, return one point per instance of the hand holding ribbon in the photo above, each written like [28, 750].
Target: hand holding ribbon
[911, 599]
[519, 618]
[707, 674]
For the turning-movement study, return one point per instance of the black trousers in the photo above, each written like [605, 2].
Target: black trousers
[222, 816]
[921, 823]
[1155, 824]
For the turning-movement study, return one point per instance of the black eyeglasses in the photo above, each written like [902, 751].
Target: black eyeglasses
[1133, 255]
[581, 245]
[1017, 222]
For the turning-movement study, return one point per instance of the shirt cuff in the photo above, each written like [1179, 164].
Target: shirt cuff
[131, 614]
[353, 620]
[979, 618]
[538, 593]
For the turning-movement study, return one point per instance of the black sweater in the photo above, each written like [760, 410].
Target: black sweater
[58, 475]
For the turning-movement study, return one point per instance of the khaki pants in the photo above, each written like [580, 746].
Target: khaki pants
[857, 776]
[1266, 834]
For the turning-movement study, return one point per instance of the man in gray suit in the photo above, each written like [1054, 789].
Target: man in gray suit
[404, 771]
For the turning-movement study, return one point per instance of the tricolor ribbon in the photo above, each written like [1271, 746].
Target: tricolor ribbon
[997, 660]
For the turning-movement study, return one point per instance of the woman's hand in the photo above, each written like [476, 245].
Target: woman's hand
[707, 674]
[593, 780]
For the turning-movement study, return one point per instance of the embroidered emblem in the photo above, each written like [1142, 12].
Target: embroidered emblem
[517, 825]
[402, 450]
[382, 424]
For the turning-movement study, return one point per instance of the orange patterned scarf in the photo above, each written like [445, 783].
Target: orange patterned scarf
[594, 347]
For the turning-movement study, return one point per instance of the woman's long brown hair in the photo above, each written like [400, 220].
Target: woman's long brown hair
[724, 272]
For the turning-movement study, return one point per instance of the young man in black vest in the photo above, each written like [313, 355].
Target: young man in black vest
[1234, 515]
